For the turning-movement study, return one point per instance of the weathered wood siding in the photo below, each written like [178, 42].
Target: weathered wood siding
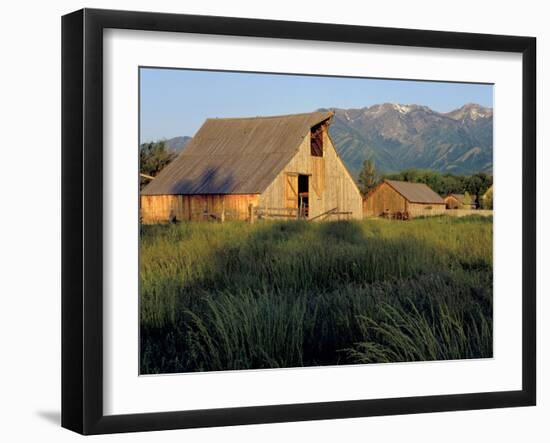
[330, 184]
[425, 210]
[160, 208]
[383, 198]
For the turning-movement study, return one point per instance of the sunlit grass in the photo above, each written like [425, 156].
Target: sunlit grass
[278, 294]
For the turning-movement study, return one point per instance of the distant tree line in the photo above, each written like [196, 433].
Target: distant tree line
[444, 184]
[153, 157]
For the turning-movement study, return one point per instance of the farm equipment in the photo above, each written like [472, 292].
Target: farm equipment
[397, 215]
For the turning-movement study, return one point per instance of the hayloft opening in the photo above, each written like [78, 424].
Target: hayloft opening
[317, 140]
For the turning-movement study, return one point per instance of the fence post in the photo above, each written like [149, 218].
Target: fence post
[222, 216]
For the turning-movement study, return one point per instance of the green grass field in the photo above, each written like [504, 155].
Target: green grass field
[286, 294]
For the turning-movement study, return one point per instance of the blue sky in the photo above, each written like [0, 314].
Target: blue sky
[176, 101]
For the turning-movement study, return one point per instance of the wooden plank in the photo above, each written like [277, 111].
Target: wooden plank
[324, 214]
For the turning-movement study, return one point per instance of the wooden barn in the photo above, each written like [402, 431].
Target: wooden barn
[398, 199]
[238, 168]
[456, 201]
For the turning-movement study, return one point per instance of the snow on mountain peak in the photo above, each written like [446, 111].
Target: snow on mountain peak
[403, 109]
[471, 111]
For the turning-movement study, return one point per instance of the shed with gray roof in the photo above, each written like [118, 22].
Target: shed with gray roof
[399, 198]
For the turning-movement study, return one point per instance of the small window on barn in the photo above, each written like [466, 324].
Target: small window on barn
[317, 140]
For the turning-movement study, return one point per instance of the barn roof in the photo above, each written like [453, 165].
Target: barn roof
[235, 155]
[416, 192]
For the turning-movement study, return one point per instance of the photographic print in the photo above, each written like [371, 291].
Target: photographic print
[292, 221]
[269, 221]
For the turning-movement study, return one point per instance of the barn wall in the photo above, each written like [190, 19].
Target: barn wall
[421, 209]
[158, 208]
[383, 198]
[330, 184]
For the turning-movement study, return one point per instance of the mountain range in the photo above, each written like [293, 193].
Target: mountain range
[177, 144]
[399, 137]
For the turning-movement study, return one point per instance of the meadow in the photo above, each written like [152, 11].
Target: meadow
[294, 293]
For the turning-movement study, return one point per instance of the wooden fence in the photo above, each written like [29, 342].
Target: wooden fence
[259, 213]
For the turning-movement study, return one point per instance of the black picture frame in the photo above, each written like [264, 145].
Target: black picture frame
[82, 218]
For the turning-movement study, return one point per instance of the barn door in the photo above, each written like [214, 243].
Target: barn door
[291, 191]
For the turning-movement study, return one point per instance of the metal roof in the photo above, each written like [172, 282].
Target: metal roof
[235, 155]
[416, 192]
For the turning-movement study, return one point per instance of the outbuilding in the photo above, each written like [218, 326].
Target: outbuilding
[456, 201]
[237, 168]
[399, 199]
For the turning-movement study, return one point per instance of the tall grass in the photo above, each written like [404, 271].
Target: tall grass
[280, 294]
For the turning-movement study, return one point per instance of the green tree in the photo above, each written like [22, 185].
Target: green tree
[477, 184]
[487, 199]
[411, 175]
[368, 177]
[467, 201]
[153, 157]
[445, 184]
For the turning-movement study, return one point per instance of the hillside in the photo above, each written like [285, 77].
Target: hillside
[177, 144]
[398, 137]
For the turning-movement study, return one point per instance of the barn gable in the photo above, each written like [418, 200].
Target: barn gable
[235, 155]
[329, 184]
